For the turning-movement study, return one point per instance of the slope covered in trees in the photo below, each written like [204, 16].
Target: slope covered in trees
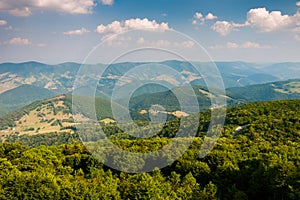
[260, 161]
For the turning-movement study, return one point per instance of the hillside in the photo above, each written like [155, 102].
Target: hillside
[265, 92]
[259, 161]
[281, 90]
[23, 95]
[60, 78]
[32, 81]
[52, 115]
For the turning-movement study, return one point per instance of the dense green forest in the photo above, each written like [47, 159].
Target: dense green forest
[260, 161]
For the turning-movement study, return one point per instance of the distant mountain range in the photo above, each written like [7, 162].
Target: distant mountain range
[55, 114]
[60, 78]
[24, 83]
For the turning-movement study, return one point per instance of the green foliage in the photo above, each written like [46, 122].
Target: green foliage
[260, 161]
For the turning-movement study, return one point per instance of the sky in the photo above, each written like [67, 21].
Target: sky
[56, 31]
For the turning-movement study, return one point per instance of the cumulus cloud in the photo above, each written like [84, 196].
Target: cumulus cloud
[25, 8]
[210, 16]
[3, 22]
[199, 18]
[107, 2]
[117, 27]
[266, 21]
[18, 41]
[262, 20]
[225, 27]
[76, 32]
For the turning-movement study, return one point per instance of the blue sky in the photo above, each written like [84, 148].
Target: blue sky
[55, 31]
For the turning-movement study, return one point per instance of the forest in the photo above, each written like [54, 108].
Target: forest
[260, 161]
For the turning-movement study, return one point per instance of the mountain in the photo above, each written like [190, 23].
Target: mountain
[266, 92]
[52, 115]
[51, 122]
[60, 78]
[256, 157]
[284, 71]
[23, 83]
[21, 96]
[236, 74]
[142, 107]
[281, 90]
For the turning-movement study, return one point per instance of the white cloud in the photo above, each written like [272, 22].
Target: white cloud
[266, 21]
[107, 2]
[200, 17]
[114, 27]
[18, 41]
[298, 3]
[25, 8]
[76, 32]
[3, 22]
[224, 27]
[145, 24]
[210, 16]
[118, 27]
[262, 20]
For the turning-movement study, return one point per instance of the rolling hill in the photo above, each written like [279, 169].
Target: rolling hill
[43, 113]
[60, 78]
[281, 90]
[22, 95]
[51, 115]
[266, 92]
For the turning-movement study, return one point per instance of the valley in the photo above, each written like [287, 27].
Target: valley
[260, 138]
